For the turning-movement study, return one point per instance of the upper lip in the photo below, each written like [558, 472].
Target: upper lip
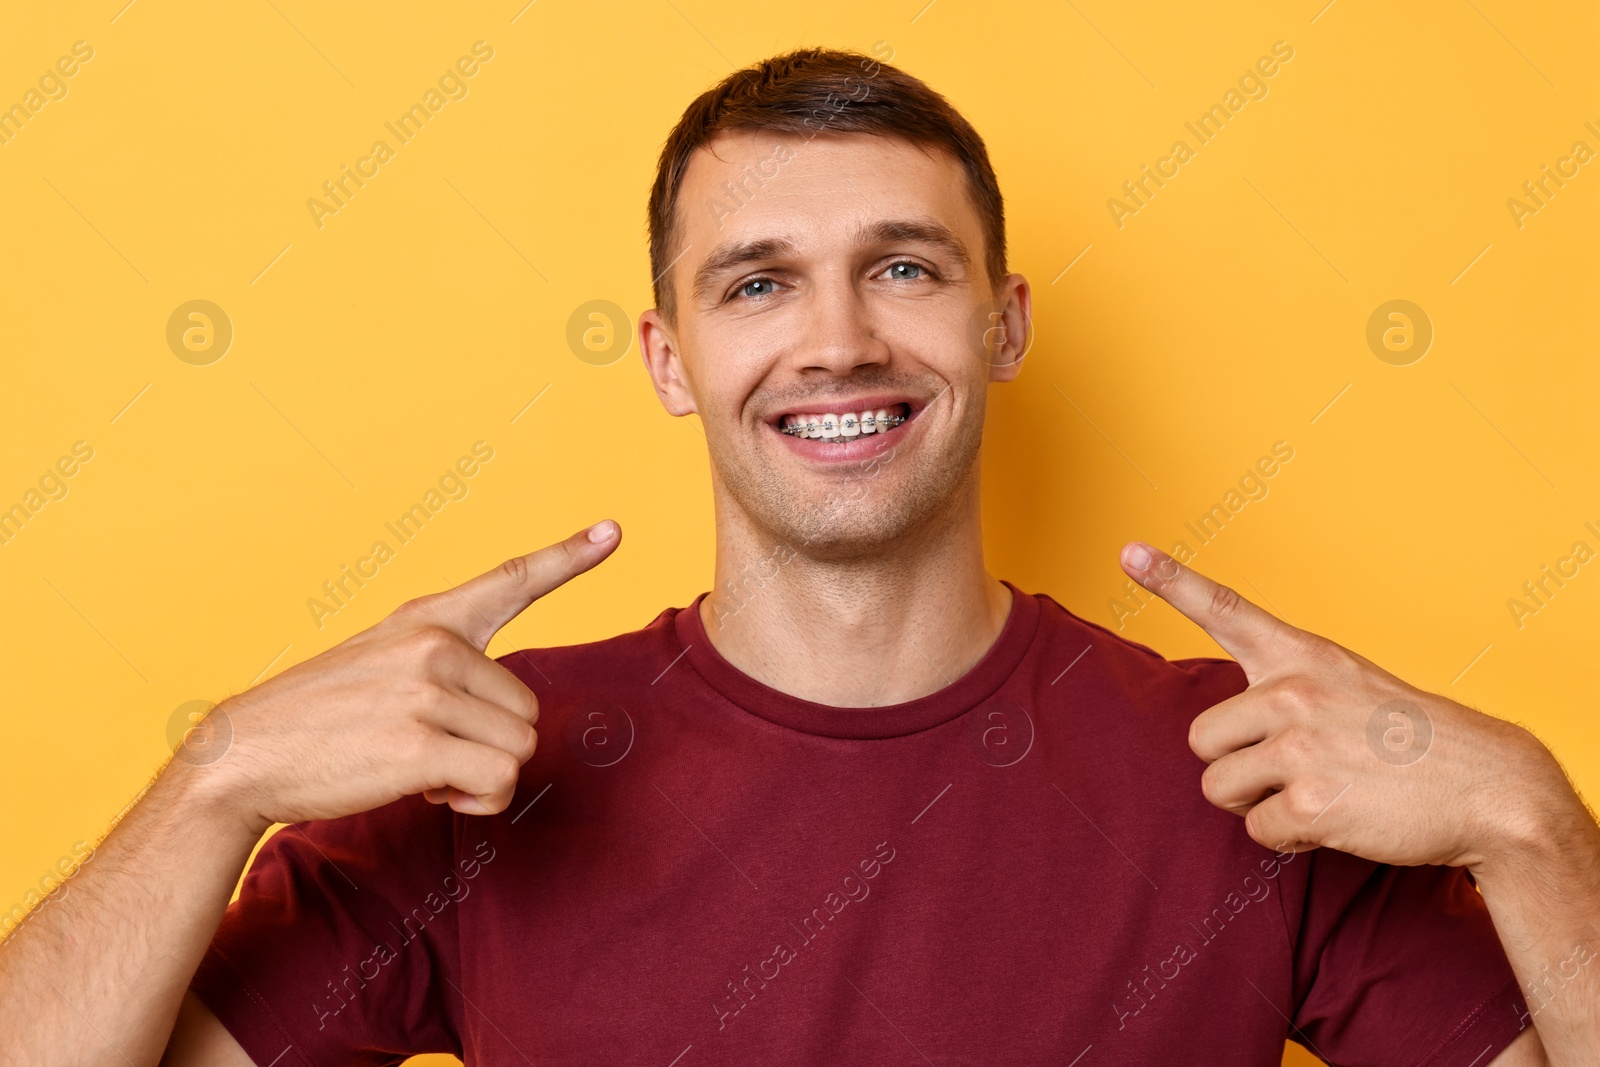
[870, 402]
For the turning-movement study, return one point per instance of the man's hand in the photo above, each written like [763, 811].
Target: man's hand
[411, 705]
[1326, 748]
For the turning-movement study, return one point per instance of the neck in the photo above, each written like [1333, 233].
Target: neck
[891, 625]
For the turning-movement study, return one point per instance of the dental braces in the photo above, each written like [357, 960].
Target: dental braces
[879, 426]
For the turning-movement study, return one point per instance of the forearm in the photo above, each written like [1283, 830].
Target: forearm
[411, 705]
[1542, 886]
[96, 975]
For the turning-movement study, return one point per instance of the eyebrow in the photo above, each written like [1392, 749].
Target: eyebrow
[885, 231]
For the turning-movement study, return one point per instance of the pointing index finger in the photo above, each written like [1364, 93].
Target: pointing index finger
[1250, 634]
[477, 608]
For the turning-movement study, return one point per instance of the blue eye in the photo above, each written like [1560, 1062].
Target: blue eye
[908, 266]
[744, 290]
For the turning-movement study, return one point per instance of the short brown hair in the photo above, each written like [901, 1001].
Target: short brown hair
[810, 91]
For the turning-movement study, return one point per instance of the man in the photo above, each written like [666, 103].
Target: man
[863, 803]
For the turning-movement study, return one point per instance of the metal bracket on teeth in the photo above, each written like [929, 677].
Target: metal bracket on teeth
[799, 431]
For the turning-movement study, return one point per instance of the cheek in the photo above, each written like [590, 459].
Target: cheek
[726, 363]
[942, 336]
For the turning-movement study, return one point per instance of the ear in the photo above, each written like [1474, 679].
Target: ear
[1015, 301]
[658, 346]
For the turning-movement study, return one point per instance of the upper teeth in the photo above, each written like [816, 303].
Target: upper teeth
[846, 425]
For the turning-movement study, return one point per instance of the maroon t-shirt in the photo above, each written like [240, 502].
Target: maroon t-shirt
[698, 869]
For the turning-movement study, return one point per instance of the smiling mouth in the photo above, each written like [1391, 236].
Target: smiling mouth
[844, 427]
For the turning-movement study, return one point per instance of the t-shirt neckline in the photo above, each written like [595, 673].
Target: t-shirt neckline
[890, 720]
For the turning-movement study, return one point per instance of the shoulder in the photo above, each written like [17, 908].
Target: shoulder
[1115, 717]
[1124, 701]
[1133, 668]
[622, 658]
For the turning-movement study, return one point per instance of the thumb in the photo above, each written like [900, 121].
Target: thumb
[476, 609]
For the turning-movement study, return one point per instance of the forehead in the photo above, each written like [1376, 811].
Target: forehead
[748, 184]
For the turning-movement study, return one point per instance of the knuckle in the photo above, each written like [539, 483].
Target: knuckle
[414, 608]
[1300, 804]
[516, 569]
[413, 745]
[1317, 649]
[413, 690]
[1211, 785]
[422, 699]
[1295, 694]
[430, 645]
[1294, 746]
[425, 695]
[1323, 653]
[504, 768]
[1225, 602]
[1203, 743]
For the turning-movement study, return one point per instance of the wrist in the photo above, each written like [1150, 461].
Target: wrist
[1534, 819]
[219, 793]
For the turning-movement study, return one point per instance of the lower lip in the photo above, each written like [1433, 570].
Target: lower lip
[864, 447]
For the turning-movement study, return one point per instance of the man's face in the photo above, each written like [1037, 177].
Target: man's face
[833, 281]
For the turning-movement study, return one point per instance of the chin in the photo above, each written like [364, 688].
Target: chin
[859, 521]
[849, 539]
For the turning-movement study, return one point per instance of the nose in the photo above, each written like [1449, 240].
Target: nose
[838, 335]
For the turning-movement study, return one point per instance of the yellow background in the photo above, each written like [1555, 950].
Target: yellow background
[427, 314]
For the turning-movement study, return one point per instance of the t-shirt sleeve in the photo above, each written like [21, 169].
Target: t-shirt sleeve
[342, 946]
[1400, 967]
